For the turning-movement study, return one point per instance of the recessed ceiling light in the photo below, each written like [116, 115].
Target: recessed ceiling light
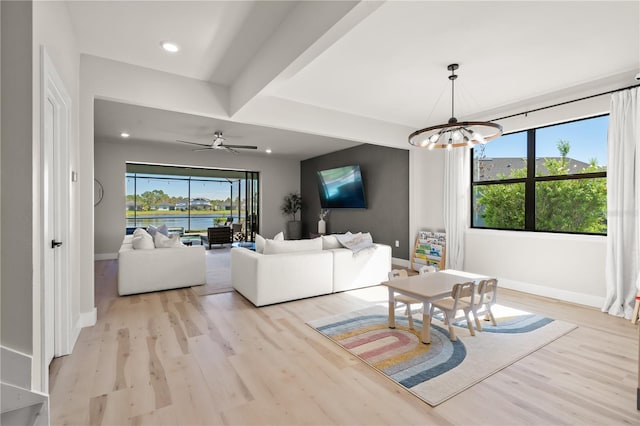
[124, 135]
[169, 46]
[268, 151]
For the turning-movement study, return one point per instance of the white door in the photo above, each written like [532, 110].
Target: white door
[50, 233]
[54, 327]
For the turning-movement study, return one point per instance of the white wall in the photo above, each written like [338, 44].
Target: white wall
[277, 178]
[426, 194]
[566, 267]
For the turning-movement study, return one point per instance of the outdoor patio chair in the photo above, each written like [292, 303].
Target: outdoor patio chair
[217, 235]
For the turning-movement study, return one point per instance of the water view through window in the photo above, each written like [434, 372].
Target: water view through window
[190, 203]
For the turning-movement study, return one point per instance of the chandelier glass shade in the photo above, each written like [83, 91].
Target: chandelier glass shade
[455, 134]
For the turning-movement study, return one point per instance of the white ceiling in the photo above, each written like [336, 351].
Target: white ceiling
[380, 60]
[155, 125]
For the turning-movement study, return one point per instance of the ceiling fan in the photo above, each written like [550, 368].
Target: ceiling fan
[218, 143]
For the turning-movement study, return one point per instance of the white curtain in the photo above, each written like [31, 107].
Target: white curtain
[456, 205]
[623, 204]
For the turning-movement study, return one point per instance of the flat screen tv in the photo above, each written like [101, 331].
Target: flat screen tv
[341, 188]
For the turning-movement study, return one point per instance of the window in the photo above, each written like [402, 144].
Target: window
[551, 179]
[189, 199]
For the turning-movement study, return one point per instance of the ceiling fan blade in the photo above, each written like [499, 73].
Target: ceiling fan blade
[231, 150]
[240, 146]
[202, 149]
[192, 143]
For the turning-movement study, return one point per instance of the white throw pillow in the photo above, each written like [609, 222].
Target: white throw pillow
[162, 241]
[139, 231]
[260, 243]
[143, 241]
[330, 242]
[290, 246]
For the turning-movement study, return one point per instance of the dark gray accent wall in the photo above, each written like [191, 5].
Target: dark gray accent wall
[385, 175]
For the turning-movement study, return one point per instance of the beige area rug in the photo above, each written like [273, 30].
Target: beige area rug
[218, 272]
[442, 369]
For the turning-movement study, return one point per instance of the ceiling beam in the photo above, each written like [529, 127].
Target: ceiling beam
[308, 30]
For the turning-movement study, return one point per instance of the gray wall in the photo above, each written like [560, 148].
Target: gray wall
[17, 176]
[278, 176]
[385, 175]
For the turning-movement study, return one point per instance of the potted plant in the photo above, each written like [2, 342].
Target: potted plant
[291, 205]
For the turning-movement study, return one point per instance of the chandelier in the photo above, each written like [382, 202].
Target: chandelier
[455, 134]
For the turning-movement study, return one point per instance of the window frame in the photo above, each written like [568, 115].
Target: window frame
[530, 182]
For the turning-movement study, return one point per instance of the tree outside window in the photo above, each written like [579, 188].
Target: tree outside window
[561, 194]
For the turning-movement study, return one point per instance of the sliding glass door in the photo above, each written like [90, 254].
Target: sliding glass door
[190, 200]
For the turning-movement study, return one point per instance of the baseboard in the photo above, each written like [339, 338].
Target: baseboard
[16, 368]
[87, 319]
[554, 293]
[400, 262]
[105, 256]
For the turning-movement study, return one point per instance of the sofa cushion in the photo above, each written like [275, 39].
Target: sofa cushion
[289, 246]
[143, 241]
[162, 241]
[356, 242]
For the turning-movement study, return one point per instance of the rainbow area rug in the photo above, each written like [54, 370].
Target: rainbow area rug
[442, 369]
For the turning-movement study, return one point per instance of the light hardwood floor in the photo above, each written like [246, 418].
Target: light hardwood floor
[178, 358]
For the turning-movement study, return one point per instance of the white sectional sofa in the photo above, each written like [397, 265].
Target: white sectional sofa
[141, 271]
[306, 268]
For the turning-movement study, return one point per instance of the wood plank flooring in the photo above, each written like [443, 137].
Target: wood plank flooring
[177, 358]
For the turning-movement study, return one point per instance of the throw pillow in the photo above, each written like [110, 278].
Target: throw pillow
[164, 229]
[162, 241]
[356, 242]
[289, 246]
[143, 241]
[259, 243]
[152, 230]
[330, 242]
[139, 231]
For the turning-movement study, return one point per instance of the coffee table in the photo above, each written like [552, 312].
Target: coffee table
[427, 288]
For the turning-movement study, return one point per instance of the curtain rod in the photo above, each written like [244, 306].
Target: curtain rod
[566, 102]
